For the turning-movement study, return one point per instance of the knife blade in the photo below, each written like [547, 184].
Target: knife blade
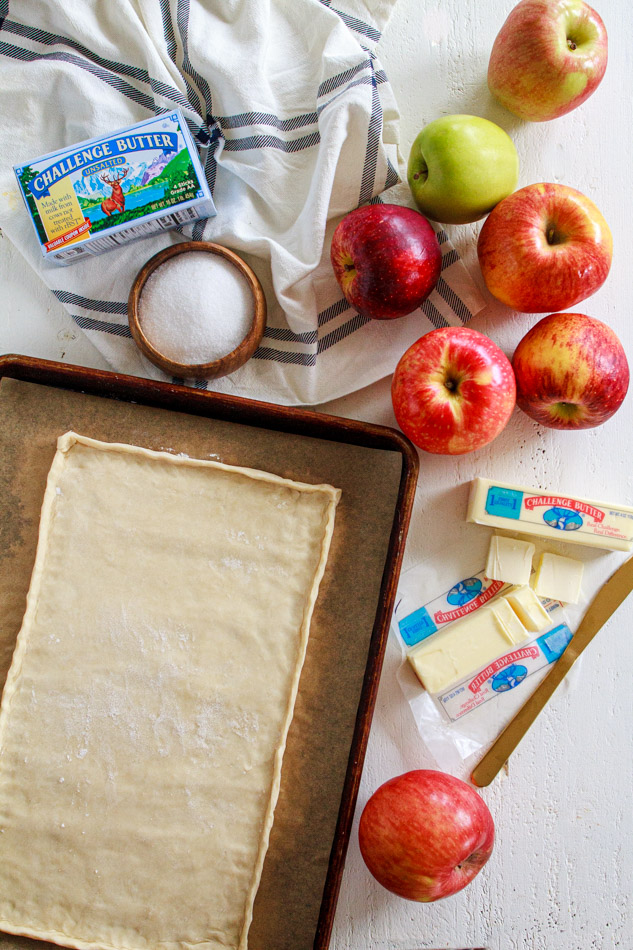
[603, 605]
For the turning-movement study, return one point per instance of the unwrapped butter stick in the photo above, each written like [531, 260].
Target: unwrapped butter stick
[470, 643]
[466, 645]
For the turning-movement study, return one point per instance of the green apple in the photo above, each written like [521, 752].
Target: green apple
[460, 167]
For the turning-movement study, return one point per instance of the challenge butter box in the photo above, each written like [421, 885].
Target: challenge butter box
[101, 193]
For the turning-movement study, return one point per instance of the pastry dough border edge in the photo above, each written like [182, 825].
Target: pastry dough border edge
[64, 443]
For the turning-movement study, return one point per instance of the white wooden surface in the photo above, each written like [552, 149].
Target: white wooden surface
[561, 876]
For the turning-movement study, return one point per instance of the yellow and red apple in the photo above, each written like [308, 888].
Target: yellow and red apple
[425, 835]
[544, 248]
[453, 391]
[571, 372]
[386, 259]
[549, 56]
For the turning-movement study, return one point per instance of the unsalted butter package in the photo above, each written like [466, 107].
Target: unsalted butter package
[96, 195]
[551, 515]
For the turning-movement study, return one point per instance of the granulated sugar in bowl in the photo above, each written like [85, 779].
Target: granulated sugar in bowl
[196, 309]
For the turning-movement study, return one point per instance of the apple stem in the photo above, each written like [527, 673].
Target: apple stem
[423, 173]
[570, 43]
[553, 236]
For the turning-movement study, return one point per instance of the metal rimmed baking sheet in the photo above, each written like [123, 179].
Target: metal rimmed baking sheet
[375, 469]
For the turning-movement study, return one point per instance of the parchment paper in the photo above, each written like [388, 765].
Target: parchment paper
[32, 416]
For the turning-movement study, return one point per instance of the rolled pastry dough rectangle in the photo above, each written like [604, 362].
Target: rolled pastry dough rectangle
[146, 710]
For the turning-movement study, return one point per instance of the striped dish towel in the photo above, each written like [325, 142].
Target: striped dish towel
[296, 125]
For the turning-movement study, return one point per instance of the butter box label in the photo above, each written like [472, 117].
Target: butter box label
[95, 195]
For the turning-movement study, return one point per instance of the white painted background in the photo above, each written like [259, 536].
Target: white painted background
[561, 876]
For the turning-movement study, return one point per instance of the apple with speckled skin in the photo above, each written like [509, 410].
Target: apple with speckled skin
[386, 259]
[544, 248]
[548, 58]
[453, 391]
[571, 372]
[425, 835]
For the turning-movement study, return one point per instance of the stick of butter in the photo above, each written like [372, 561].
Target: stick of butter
[548, 515]
[559, 578]
[466, 645]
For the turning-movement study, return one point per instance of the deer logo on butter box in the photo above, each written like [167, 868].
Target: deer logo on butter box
[98, 194]
[116, 201]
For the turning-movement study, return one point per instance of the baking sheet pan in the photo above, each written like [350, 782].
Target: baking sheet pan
[376, 470]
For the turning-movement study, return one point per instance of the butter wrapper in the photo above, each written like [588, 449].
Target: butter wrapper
[505, 673]
[461, 599]
[416, 624]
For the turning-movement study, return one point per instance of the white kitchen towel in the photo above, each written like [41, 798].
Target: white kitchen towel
[296, 125]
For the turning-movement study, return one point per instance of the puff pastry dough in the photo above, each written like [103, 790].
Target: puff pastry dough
[146, 710]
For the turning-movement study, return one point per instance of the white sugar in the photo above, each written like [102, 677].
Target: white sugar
[196, 307]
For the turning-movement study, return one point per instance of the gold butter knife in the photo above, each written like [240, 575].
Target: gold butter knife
[605, 603]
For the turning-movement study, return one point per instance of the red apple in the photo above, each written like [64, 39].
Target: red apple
[546, 247]
[453, 391]
[571, 372]
[549, 56]
[425, 835]
[386, 259]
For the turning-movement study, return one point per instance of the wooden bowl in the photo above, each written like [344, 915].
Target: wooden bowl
[226, 364]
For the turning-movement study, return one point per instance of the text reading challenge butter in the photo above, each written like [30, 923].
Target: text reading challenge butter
[96, 195]
[550, 515]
